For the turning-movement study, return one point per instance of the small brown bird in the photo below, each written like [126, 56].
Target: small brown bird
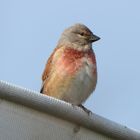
[71, 73]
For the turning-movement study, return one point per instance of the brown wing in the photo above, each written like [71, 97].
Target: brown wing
[47, 70]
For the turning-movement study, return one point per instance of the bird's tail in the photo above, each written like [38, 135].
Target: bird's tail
[41, 90]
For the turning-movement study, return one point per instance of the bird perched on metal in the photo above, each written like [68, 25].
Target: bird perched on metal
[71, 72]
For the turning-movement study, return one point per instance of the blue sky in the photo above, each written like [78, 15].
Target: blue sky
[30, 29]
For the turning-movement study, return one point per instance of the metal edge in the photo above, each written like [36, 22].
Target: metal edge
[66, 111]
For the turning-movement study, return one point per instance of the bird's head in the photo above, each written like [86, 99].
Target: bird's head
[79, 34]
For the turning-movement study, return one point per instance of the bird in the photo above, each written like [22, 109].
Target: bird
[70, 73]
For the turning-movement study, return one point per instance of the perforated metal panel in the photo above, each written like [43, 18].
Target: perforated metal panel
[26, 115]
[21, 123]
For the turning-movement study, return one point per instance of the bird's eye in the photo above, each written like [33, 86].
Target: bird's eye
[82, 34]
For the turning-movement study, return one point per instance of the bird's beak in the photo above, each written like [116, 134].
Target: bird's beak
[94, 38]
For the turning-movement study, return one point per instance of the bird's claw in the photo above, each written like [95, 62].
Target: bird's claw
[85, 109]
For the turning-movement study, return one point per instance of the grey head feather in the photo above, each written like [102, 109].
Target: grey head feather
[78, 34]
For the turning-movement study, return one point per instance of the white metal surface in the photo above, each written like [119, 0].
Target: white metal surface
[27, 115]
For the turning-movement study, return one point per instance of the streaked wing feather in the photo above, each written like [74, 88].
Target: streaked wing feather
[47, 70]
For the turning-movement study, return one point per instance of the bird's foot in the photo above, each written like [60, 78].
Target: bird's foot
[85, 109]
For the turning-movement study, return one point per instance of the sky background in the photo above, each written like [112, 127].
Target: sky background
[30, 29]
